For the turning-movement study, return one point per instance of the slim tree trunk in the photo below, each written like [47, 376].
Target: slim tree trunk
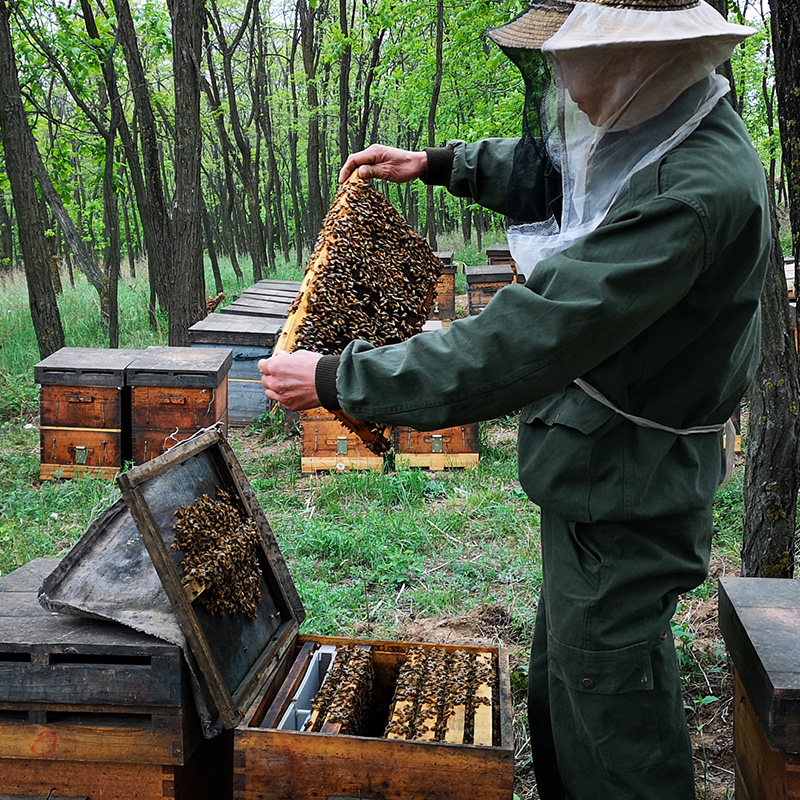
[16, 138]
[430, 213]
[188, 305]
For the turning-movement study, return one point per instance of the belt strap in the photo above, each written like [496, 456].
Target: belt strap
[726, 427]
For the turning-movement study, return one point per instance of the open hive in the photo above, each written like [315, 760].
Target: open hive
[370, 277]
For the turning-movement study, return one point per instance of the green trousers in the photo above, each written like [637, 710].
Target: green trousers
[604, 697]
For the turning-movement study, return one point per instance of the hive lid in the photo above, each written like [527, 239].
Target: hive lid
[235, 655]
[490, 273]
[759, 619]
[234, 329]
[202, 368]
[85, 366]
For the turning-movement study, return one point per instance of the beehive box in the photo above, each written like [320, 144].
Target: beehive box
[93, 709]
[444, 303]
[175, 392]
[272, 759]
[437, 450]
[84, 412]
[759, 619]
[250, 339]
[484, 282]
[327, 445]
[501, 254]
[260, 672]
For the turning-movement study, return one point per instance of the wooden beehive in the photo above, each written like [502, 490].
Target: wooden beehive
[437, 450]
[250, 339]
[327, 445]
[484, 282]
[84, 412]
[253, 669]
[250, 306]
[295, 764]
[759, 619]
[370, 277]
[501, 254]
[94, 709]
[444, 304]
[176, 392]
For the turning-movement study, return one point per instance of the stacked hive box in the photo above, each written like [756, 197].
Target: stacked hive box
[484, 282]
[437, 450]
[93, 709]
[175, 392]
[250, 339]
[328, 445]
[444, 304]
[85, 411]
[501, 254]
[759, 619]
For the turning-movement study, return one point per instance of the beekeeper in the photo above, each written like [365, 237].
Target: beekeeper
[643, 229]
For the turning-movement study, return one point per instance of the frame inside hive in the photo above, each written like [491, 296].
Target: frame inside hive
[370, 277]
[432, 695]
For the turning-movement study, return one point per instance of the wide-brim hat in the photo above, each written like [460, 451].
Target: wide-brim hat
[621, 23]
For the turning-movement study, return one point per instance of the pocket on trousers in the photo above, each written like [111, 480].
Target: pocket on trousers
[613, 705]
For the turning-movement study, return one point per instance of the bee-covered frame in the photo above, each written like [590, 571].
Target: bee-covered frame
[235, 655]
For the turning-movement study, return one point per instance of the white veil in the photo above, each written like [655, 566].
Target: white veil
[647, 96]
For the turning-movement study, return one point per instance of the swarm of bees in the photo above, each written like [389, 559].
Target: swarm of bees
[370, 277]
[439, 694]
[345, 698]
[220, 553]
[376, 278]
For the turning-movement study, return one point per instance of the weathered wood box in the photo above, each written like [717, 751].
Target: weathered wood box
[437, 450]
[484, 282]
[250, 339]
[263, 678]
[175, 392]
[326, 445]
[501, 254]
[274, 758]
[94, 709]
[760, 619]
[444, 303]
[84, 411]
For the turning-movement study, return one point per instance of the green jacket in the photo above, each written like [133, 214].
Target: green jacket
[658, 309]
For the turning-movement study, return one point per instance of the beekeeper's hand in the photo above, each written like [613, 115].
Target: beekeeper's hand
[389, 163]
[289, 379]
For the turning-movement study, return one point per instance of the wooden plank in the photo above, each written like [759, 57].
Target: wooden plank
[402, 708]
[436, 462]
[84, 447]
[288, 687]
[49, 472]
[81, 406]
[301, 765]
[340, 463]
[483, 705]
[455, 725]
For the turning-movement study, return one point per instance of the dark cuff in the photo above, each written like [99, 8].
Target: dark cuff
[440, 165]
[325, 382]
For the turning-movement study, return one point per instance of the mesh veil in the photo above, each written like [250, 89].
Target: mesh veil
[605, 113]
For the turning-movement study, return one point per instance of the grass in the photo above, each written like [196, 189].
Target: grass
[369, 552]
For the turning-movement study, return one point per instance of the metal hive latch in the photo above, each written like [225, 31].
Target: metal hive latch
[341, 445]
[437, 443]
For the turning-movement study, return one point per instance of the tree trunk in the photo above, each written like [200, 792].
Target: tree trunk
[771, 475]
[430, 212]
[344, 85]
[6, 237]
[153, 208]
[188, 305]
[771, 481]
[310, 52]
[16, 138]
